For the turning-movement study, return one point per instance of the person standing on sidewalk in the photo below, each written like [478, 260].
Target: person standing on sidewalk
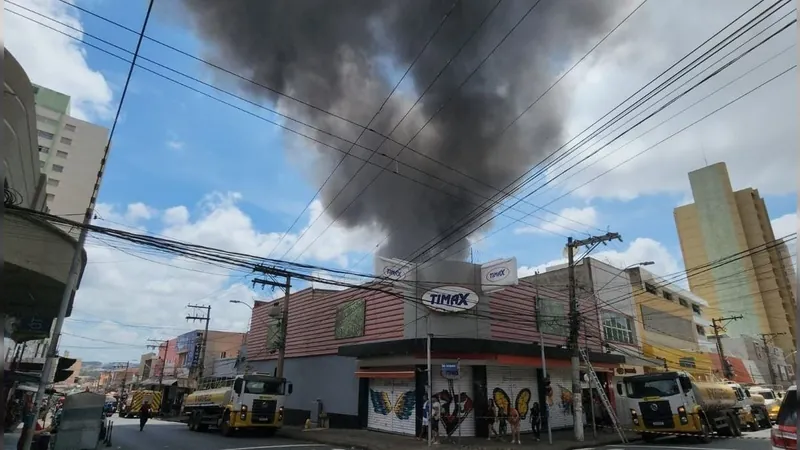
[536, 421]
[436, 414]
[144, 414]
[491, 419]
[426, 414]
[514, 421]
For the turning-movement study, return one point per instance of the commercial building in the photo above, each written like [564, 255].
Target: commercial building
[361, 352]
[71, 154]
[36, 254]
[745, 270]
[758, 358]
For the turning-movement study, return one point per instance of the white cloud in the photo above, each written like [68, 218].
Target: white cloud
[137, 286]
[784, 225]
[175, 144]
[56, 61]
[568, 219]
[640, 250]
[741, 135]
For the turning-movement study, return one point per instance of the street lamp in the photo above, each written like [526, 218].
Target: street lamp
[242, 303]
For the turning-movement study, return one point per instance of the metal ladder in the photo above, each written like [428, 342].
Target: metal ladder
[603, 397]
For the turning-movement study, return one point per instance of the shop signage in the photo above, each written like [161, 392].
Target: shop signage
[499, 274]
[394, 269]
[450, 299]
[451, 371]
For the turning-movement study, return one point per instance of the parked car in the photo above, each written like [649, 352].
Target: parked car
[784, 433]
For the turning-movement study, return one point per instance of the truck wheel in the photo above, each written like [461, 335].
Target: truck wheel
[193, 422]
[753, 425]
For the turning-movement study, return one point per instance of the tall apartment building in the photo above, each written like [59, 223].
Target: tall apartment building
[758, 283]
[71, 153]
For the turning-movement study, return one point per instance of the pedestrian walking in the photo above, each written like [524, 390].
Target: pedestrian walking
[426, 414]
[491, 419]
[536, 421]
[514, 421]
[144, 414]
[436, 415]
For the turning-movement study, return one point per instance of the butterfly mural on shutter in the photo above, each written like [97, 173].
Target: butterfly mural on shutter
[521, 403]
[403, 407]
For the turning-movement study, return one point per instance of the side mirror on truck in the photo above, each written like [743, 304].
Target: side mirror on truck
[686, 384]
[290, 388]
[619, 388]
[237, 386]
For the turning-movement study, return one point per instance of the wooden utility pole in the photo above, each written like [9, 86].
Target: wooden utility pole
[156, 345]
[202, 317]
[767, 338]
[718, 325]
[124, 378]
[284, 320]
[574, 325]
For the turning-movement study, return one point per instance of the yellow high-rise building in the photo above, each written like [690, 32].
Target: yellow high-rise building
[751, 274]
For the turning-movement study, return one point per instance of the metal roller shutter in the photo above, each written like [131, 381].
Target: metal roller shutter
[561, 402]
[515, 386]
[392, 406]
[461, 389]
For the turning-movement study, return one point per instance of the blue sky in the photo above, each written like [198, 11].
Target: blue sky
[174, 147]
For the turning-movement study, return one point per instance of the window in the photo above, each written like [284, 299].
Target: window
[45, 134]
[41, 164]
[696, 310]
[701, 331]
[553, 318]
[223, 354]
[61, 154]
[53, 182]
[617, 328]
[350, 318]
[650, 288]
[687, 362]
[69, 127]
[668, 296]
[683, 302]
[43, 149]
[66, 140]
[57, 168]
[50, 197]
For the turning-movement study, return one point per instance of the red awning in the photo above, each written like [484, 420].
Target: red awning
[385, 373]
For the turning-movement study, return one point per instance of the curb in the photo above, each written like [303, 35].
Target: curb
[300, 436]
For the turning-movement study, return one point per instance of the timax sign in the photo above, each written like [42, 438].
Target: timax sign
[450, 299]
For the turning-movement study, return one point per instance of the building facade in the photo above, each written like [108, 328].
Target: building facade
[361, 352]
[71, 154]
[747, 272]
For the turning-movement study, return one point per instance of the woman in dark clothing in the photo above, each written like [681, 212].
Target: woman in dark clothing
[144, 414]
[536, 420]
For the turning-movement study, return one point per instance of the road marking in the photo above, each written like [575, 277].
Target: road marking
[282, 446]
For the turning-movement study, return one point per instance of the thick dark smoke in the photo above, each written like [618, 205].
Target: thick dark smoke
[346, 56]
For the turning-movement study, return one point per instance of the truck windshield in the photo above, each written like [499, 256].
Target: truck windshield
[264, 387]
[652, 388]
[768, 395]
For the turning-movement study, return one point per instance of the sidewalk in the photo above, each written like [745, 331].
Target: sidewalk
[371, 440]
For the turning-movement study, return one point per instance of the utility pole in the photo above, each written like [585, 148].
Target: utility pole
[283, 325]
[718, 324]
[202, 317]
[574, 325]
[124, 378]
[156, 344]
[765, 337]
[546, 411]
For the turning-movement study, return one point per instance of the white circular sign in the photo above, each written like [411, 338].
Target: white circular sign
[497, 273]
[450, 299]
[397, 272]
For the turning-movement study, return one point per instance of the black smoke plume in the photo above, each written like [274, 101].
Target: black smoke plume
[345, 56]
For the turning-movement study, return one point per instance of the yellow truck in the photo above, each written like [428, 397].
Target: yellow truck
[253, 401]
[133, 404]
[673, 403]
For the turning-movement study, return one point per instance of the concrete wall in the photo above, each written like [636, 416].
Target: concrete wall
[328, 378]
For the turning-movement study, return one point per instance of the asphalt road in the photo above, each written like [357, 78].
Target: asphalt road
[759, 440]
[160, 435]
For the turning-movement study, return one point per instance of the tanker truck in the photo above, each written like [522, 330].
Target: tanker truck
[253, 401]
[673, 403]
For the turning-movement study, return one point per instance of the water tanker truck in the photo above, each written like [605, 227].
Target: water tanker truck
[673, 403]
[253, 401]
